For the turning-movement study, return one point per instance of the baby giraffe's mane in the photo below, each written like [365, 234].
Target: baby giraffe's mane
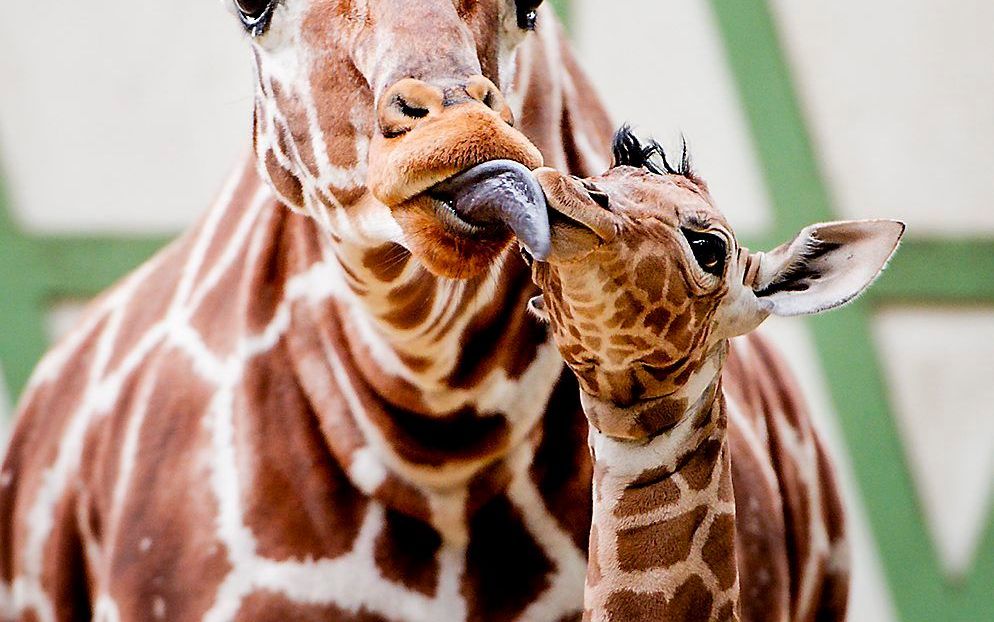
[629, 150]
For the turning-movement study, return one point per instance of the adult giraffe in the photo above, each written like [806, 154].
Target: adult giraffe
[305, 416]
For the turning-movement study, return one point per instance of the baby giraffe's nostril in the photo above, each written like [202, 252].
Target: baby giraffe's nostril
[600, 198]
[525, 255]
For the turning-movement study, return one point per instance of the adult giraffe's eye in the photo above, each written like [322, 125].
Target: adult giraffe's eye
[255, 14]
[709, 251]
[527, 13]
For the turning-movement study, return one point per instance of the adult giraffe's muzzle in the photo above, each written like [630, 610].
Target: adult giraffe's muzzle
[455, 173]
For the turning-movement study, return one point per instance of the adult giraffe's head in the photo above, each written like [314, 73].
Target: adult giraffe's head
[366, 104]
[646, 282]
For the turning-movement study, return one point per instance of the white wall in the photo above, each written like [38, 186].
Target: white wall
[664, 71]
[900, 93]
[943, 381]
[119, 115]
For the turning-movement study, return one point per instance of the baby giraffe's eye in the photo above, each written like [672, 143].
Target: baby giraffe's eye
[255, 14]
[527, 13]
[709, 251]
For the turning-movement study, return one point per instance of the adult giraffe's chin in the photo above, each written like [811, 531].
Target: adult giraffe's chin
[371, 104]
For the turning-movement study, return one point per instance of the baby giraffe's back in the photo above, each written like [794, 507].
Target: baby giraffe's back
[791, 536]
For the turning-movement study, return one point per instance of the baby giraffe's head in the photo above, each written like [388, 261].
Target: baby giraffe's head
[646, 282]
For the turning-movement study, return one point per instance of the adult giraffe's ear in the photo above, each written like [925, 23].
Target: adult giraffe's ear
[825, 266]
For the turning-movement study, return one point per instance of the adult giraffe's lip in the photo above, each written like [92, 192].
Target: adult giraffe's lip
[496, 195]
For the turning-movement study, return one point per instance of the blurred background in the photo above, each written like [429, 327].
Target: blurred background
[116, 131]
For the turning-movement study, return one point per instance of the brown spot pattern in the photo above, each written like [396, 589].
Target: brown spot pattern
[293, 486]
[506, 569]
[405, 553]
[703, 464]
[719, 550]
[661, 544]
[642, 498]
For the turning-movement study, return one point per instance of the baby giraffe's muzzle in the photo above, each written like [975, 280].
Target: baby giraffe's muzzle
[579, 216]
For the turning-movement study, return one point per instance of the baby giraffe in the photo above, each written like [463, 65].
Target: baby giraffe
[644, 287]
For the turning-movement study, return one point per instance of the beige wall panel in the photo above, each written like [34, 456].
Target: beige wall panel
[660, 65]
[940, 367]
[900, 95]
[120, 115]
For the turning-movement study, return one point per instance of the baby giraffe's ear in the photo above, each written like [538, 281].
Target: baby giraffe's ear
[825, 266]
[537, 307]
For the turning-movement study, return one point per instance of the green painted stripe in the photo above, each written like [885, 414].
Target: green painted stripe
[35, 271]
[564, 10]
[939, 271]
[8, 228]
[766, 89]
[85, 266]
[845, 346]
[22, 340]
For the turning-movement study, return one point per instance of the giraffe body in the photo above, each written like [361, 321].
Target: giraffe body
[285, 414]
[343, 411]
[712, 497]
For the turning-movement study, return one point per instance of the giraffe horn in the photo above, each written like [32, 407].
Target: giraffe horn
[750, 273]
[501, 193]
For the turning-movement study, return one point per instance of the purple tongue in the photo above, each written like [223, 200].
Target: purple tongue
[504, 193]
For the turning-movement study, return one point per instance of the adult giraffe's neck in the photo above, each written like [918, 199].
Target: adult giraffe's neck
[423, 385]
[662, 542]
[434, 345]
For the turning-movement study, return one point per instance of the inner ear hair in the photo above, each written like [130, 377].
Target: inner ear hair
[797, 275]
[825, 266]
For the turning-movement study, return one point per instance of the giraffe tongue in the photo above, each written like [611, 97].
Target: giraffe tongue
[501, 193]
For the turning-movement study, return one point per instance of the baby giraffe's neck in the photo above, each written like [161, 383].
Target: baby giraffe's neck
[662, 542]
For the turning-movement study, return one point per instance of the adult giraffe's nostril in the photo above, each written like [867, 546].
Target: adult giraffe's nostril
[407, 103]
[486, 92]
[414, 111]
